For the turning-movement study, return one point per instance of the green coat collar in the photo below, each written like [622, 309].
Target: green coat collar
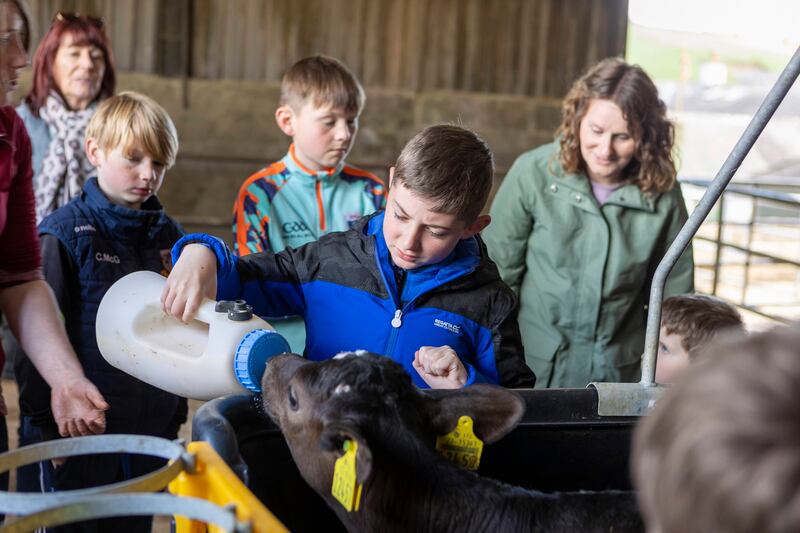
[575, 189]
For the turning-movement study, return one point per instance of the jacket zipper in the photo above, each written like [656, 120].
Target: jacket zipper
[320, 205]
[396, 322]
[397, 319]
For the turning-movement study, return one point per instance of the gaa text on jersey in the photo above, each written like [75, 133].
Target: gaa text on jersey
[294, 227]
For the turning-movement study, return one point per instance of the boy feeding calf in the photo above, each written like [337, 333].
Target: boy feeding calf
[363, 437]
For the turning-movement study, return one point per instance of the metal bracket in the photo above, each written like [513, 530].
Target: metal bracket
[626, 399]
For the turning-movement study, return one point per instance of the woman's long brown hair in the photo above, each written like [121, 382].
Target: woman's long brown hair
[629, 87]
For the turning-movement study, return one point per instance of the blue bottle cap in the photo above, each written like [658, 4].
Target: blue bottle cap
[252, 354]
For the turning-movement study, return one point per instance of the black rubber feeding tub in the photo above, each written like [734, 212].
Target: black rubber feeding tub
[560, 445]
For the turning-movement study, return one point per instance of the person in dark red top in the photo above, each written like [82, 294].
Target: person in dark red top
[25, 298]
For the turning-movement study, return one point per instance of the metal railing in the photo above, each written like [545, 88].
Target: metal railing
[621, 399]
[203, 488]
[704, 206]
[761, 227]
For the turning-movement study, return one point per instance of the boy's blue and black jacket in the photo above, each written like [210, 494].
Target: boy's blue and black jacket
[344, 286]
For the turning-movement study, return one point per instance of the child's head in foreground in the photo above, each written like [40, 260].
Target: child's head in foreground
[132, 142]
[437, 190]
[320, 104]
[721, 450]
[689, 322]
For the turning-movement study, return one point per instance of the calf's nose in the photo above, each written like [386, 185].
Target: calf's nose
[279, 370]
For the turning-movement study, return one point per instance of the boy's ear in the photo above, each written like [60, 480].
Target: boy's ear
[284, 116]
[476, 227]
[92, 149]
[494, 411]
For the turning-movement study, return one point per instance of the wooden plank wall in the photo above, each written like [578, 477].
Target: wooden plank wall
[526, 47]
[132, 26]
[530, 47]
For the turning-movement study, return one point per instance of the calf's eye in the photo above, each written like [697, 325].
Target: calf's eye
[292, 399]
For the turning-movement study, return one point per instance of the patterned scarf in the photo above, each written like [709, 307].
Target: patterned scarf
[65, 166]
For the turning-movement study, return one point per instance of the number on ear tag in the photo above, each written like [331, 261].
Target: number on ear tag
[461, 447]
[345, 488]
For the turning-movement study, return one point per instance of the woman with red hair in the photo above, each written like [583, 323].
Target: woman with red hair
[72, 71]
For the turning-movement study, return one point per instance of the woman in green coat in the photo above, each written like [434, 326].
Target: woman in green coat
[579, 226]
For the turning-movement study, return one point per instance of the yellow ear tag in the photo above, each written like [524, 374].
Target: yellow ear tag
[344, 488]
[461, 447]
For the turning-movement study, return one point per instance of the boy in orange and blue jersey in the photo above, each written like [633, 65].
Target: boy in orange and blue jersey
[311, 191]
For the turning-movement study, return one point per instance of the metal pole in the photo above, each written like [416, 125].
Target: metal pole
[748, 258]
[718, 252]
[729, 168]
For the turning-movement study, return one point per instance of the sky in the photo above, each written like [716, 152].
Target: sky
[769, 24]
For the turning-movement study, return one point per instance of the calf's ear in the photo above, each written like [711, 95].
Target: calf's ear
[494, 411]
[332, 439]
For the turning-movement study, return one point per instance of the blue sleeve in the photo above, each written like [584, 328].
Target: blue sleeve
[473, 376]
[500, 357]
[265, 281]
[228, 285]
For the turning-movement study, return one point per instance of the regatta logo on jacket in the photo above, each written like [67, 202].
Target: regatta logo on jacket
[85, 227]
[106, 258]
[452, 328]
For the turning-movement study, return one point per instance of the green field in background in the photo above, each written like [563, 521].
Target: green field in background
[659, 53]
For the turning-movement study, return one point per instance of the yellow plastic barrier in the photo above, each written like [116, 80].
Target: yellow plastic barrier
[214, 481]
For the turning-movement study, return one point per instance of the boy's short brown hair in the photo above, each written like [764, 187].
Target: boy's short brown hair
[449, 165]
[698, 319]
[721, 450]
[323, 81]
[133, 117]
